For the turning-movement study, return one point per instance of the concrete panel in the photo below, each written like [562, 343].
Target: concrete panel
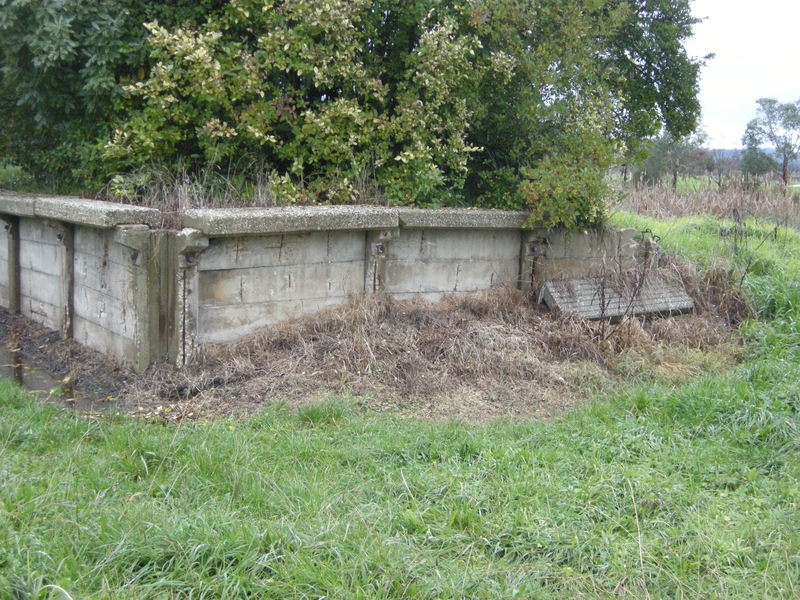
[241, 253]
[103, 276]
[94, 336]
[290, 249]
[443, 244]
[35, 285]
[31, 230]
[344, 246]
[227, 323]
[42, 258]
[421, 277]
[247, 286]
[246, 221]
[306, 248]
[111, 313]
[447, 276]
[43, 313]
[3, 245]
[100, 243]
[4, 296]
[427, 296]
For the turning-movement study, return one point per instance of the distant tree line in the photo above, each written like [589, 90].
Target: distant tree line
[771, 146]
[519, 104]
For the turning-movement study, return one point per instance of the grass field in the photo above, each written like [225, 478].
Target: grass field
[652, 491]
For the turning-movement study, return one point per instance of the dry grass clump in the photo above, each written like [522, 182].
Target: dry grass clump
[471, 356]
[733, 200]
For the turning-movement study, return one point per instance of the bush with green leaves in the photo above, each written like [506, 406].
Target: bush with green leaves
[509, 104]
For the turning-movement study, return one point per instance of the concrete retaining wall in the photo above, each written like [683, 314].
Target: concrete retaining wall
[106, 275]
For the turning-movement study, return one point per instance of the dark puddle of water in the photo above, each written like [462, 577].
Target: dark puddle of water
[14, 366]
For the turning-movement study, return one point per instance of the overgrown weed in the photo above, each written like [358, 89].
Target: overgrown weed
[492, 353]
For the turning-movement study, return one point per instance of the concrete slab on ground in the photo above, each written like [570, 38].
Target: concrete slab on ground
[598, 299]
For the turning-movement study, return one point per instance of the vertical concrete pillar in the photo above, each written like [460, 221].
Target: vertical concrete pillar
[375, 267]
[12, 235]
[533, 250]
[65, 233]
[190, 243]
[137, 238]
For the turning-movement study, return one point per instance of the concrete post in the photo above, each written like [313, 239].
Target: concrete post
[137, 238]
[65, 233]
[375, 268]
[190, 243]
[12, 235]
[533, 250]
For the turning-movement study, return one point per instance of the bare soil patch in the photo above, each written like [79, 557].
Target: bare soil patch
[481, 356]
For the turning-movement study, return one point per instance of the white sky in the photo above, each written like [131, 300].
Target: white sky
[757, 47]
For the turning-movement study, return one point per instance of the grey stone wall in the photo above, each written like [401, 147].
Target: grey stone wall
[246, 283]
[6, 245]
[107, 292]
[106, 275]
[430, 263]
[45, 249]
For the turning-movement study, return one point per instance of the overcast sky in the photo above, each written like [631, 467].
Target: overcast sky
[757, 47]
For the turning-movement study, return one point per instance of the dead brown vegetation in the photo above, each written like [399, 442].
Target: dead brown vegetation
[486, 354]
[732, 200]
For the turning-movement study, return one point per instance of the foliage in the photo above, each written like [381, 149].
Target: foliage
[293, 84]
[653, 491]
[433, 103]
[777, 124]
[63, 62]
[670, 157]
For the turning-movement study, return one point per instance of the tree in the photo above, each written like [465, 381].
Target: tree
[64, 63]
[672, 157]
[776, 124]
[505, 103]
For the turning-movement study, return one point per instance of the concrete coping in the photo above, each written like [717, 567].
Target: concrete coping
[219, 222]
[462, 218]
[250, 221]
[94, 213]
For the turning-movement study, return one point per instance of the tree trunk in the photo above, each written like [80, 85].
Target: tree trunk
[785, 172]
[675, 180]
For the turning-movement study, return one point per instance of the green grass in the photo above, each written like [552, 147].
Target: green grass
[10, 176]
[659, 491]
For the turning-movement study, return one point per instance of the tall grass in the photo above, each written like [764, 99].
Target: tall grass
[732, 200]
[653, 491]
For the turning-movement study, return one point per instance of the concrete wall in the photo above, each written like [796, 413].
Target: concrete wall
[106, 275]
[6, 250]
[249, 282]
[45, 255]
[108, 294]
[433, 262]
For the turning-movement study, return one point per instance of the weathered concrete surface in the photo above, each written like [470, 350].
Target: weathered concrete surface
[435, 262]
[244, 283]
[110, 306]
[557, 254]
[18, 205]
[289, 219]
[98, 272]
[77, 210]
[5, 275]
[461, 218]
[599, 299]
[95, 213]
[45, 257]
